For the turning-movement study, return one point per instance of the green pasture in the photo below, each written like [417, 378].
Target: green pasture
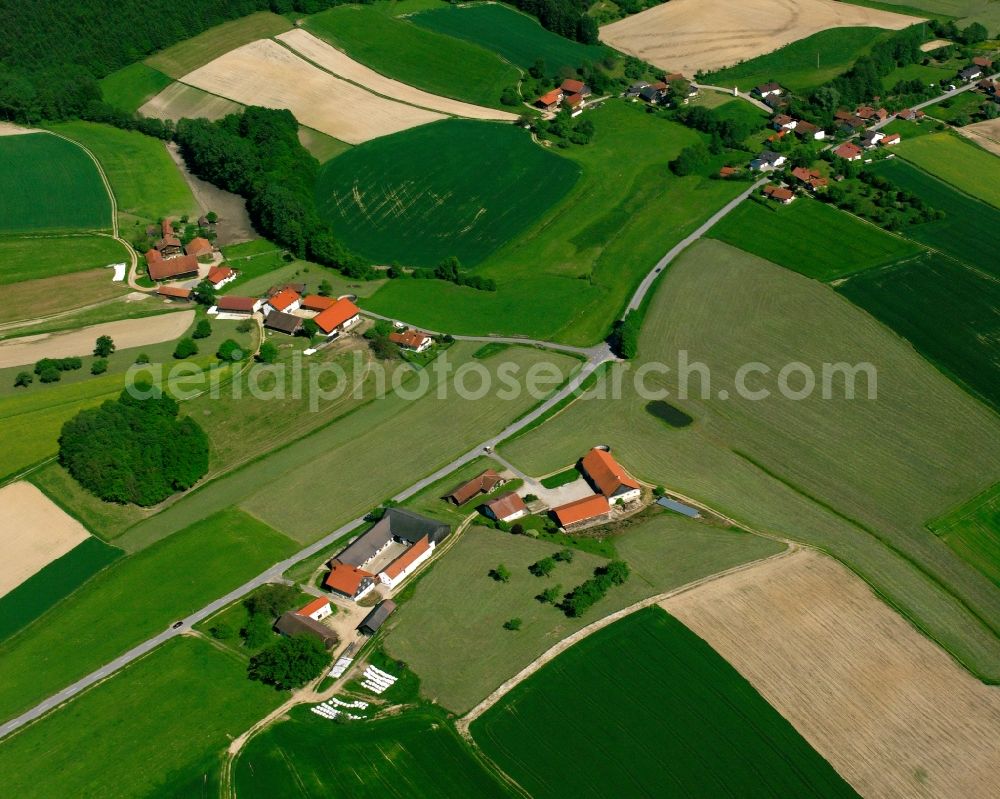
[570, 274]
[858, 477]
[156, 728]
[184, 57]
[962, 164]
[455, 188]
[50, 184]
[387, 437]
[947, 310]
[811, 238]
[415, 55]
[415, 754]
[973, 531]
[804, 64]
[146, 182]
[961, 233]
[515, 36]
[33, 258]
[131, 86]
[131, 600]
[55, 581]
[665, 552]
[645, 703]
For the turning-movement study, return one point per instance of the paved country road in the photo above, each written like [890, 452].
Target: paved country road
[595, 356]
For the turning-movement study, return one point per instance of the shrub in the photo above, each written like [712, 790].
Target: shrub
[99, 366]
[185, 348]
[203, 329]
[23, 379]
[104, 346]
[289, 663]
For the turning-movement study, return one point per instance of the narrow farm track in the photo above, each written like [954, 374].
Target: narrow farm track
[595, 357]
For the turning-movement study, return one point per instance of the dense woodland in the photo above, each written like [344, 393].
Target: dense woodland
[134, 450]
[53, 51]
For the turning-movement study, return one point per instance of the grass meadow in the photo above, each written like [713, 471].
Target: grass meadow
[156, 728]
[664, 552]
[146, 182]
[811, 238]
[570, 274]
[414, 754]
[947, 310]
[973, 531]
[55, 581]
[961, 233]
[36, 258]
[390, 437]
[857, 477]
[515, 36]
[412, 54]
[455, 188]
[956, 161]
[135, 598]
[184, 57]
[804, 64]
[645, 703]
[38, 197]
[131, 86]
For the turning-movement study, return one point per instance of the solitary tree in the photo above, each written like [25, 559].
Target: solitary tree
[104, 346]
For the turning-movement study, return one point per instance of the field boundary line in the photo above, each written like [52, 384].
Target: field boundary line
[506, 687]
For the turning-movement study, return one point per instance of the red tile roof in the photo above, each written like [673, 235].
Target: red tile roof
[582, 509]
[334, 316]
[312, 607]
[411, 339]
[506, 505]
[606, 473]
[481, 484]
[198, 246]
[231, 303]
[174, 291]
[283, 299]
[346, 579]
[313, 302]
[394, 569]
[166, 268]
[219, 273]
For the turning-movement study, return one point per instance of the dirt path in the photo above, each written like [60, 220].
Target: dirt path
[126, 333]
[463, 723]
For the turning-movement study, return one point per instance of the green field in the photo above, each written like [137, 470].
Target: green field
[457, 187]
[964, 165]
[415, 754]
[570, 274]
[35, 258]
[57, 580]
[858, 477]
[38, 197]
[664, 552]
[961, 233]
[414, 55]
[947, 310]
[146, 182]
[131, 86]
[812, 238]
[515, 36]
[804, 64]
[645, 703]
[973, 531]
[131, 600]
[181, 58]
[156, 728]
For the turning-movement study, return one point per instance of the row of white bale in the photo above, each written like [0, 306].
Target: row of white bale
[377, 681]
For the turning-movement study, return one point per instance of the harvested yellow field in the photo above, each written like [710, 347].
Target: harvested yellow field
[893, 713]
[179, 101]
[342, 65]
[126, 333]
[265, 73]
[985, 134]
[34, 531]
[688, 35]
